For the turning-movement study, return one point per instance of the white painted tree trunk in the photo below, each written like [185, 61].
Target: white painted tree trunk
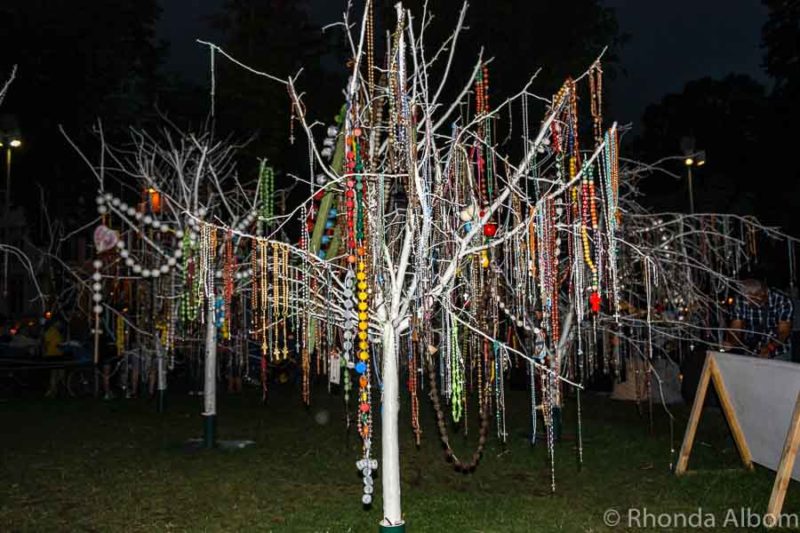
[162, 364]
[210, 385]
[390, 452]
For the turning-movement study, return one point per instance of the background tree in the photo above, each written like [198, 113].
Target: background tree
[521, 38]
[781, 41]
[72, 70]
[273, 36]
[726, 119]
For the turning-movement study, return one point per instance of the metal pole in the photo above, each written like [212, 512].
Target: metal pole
[8, 177]
[691, 190]
[7, 227]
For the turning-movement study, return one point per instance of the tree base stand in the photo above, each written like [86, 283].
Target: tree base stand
[397, 528]
[209, 431]
[161, 399]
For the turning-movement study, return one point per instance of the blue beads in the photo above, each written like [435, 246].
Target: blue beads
[361, 367]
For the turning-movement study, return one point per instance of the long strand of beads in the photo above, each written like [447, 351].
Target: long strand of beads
[551, 446]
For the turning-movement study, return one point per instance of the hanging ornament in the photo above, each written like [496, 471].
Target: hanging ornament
[105, 239]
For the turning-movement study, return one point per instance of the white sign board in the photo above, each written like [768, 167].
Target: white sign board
[763, 393]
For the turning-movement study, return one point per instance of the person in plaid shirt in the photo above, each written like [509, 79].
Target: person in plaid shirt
[761, 321]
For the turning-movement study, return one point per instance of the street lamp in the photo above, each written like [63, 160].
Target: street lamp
[10, 140]
[692, 158]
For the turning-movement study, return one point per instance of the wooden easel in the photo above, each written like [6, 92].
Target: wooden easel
[790, 447]
[711, 372]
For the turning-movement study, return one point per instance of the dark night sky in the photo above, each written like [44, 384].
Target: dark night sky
[670, 43]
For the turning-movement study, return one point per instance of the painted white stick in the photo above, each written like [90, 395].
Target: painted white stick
[162, 366]
[210, 386]
[390, 450]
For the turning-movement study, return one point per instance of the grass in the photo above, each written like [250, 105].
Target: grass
[85, 465]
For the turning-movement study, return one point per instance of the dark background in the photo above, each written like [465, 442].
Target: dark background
[726, 73]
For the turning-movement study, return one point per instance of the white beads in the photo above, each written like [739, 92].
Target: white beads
[97, 296]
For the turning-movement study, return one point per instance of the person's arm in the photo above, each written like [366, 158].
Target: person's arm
[784, 327]
[732, 339]
[785, 322]
[784, 330]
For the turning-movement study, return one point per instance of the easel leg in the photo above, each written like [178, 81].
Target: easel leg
[784, 473]
[694, 419]
[730, 415]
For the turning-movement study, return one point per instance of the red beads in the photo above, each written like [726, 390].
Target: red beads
[490, 229]
[594, 301]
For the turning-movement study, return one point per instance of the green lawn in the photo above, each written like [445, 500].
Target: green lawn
[70, 465]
